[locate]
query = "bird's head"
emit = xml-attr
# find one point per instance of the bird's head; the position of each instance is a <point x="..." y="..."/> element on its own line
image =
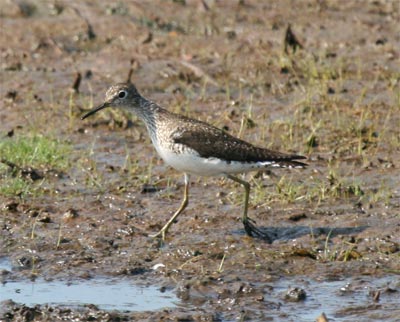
<point x="119" y="95"/>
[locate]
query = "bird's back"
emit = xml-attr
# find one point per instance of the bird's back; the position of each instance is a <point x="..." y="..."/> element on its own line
<point x="184" y="135"/>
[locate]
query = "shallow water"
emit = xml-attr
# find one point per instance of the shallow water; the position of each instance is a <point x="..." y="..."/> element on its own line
<point x="106" y="293"/>
<point x="339" y="299"/>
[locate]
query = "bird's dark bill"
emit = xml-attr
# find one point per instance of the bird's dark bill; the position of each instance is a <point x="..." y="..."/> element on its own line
<point x="94" y="110"/>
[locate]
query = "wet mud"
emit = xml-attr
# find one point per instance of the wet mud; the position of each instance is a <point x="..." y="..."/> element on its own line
<point x="330" y="91"/>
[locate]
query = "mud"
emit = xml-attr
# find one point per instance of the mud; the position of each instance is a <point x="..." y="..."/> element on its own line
<point x="334" y="226"/>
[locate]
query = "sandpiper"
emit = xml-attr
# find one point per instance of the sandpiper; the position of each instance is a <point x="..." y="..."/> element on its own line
<point x="196" y="147"/>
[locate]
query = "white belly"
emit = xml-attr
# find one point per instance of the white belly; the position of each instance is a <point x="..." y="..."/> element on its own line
<point x="192" y="163"/>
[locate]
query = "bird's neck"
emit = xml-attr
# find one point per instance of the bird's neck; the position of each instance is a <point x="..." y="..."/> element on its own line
<point x="149" y="112"/>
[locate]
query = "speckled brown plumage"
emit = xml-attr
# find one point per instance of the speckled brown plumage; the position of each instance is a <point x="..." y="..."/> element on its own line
<point x="211" y="142"/>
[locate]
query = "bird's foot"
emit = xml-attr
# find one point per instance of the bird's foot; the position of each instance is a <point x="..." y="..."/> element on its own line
<point x="253" y="231"/>
<point x="161" y="234"/>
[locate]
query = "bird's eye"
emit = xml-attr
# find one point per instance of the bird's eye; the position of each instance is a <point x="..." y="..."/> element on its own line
<point x="122" y="94"/>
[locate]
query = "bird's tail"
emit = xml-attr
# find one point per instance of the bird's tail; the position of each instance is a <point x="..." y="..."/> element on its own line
<point x="292" y="164"/>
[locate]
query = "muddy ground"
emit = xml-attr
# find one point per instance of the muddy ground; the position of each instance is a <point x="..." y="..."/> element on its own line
<point x="333" y="96"/>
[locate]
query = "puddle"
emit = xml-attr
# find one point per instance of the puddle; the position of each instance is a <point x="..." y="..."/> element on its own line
<point x="348" y="298"/>
<point x="106" y="293"/>
<point x="351" y="297"/>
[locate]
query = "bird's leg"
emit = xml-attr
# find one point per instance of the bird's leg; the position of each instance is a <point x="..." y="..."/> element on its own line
<point x="182" y="207"/>
<point x="248" y="223"/>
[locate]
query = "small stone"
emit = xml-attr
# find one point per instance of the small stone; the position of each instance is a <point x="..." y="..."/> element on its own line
<point x="44" y="217"/>
<point x="31" y="173"/>
<point x="10" y="206"/>
<point x="183" y="292"/>
<point x="70" y="214"/>
<point x="381" y="41"/>
<point x="297" y="216"/>
<point x="295" y="294"/>
<point x="24" y="262"/>
<point x="148" y="188"/>
<point x="4" y="272"/>
<point x="11" y="95"/>
<point x="322" y="318"/>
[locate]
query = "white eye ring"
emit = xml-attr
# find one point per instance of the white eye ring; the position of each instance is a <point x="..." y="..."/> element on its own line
<point x="122" y="94"/>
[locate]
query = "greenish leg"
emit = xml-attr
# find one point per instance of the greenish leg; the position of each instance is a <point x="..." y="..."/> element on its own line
<point x="249" y="227"/>
<point x="246" y="186"/>
<point x="182" y="207"/>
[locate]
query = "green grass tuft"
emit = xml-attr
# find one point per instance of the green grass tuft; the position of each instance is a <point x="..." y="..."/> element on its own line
<point x="23" y="154"/>
<point x="35" y="151"/>
<point x="14" y="186"/>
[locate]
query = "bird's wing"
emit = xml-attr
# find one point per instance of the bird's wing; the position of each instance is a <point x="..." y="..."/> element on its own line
<point x="211" y="142"/>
